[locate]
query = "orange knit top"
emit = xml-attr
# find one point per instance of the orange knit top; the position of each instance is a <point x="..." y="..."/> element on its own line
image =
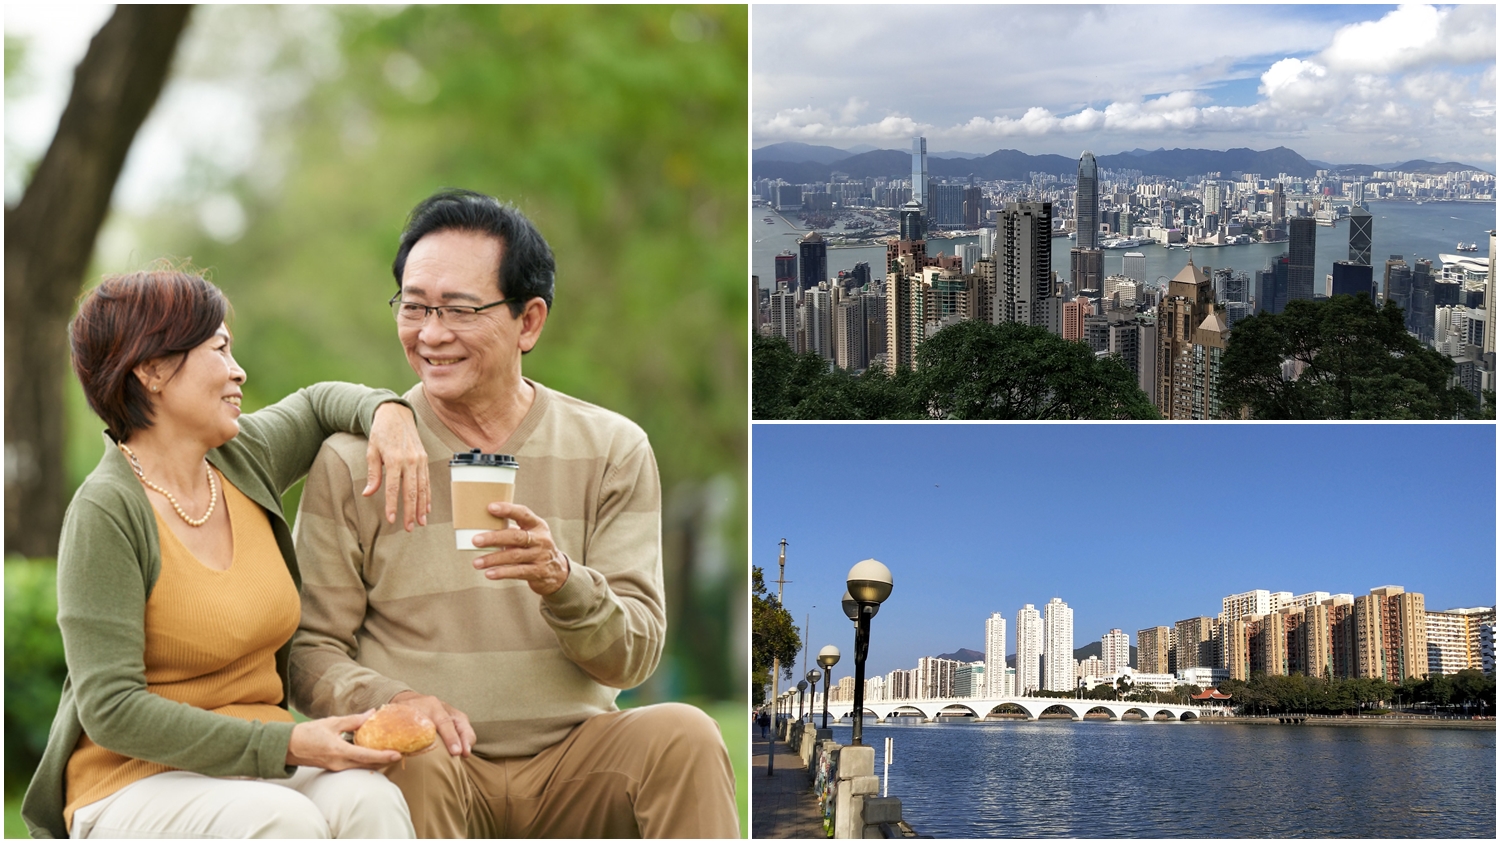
<point x="211" y="641"/>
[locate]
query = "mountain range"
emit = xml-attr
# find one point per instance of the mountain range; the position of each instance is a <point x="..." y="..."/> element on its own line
<point x="800" y="163"/>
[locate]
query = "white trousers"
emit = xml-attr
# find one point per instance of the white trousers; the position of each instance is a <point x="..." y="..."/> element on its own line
<point x="313" y="803"/>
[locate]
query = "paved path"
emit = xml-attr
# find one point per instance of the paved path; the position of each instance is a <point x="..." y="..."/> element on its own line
<point x="782" y="805"/>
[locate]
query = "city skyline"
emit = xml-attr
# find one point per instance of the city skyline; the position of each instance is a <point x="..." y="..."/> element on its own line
<point x="1102" y="517"/>
<point x="1344" y="84"/>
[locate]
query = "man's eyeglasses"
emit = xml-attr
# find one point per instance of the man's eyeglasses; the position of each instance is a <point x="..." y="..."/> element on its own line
<point x="452" y="315"/>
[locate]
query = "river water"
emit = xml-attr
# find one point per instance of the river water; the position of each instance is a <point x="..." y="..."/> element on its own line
<point x="1059" y="778"/>
<point x="1400" y="228"/>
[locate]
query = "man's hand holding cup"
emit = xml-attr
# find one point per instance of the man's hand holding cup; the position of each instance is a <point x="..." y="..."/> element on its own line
<point x="525" y="552"/>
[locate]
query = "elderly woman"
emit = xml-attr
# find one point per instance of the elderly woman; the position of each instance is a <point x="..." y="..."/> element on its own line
<point x="177" y="589"/>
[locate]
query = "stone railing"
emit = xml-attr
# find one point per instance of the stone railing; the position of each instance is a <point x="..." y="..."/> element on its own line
<point x="847" y="788"/>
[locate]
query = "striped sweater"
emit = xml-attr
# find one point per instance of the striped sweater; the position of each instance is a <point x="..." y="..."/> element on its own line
<point x="385" y="611"/>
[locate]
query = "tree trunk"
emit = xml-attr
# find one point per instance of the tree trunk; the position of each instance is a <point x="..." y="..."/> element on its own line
<point x="49" y="238"/>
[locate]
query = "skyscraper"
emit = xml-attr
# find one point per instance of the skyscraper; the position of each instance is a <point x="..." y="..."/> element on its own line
<point x="1028" y="650"/>
<point x="1278" y="205"/>
<point x="1087" y="267"/>
<point x="1057" y="645"/>
<point x="1190" y="342"/>
<point x="973" y="202"/>
<point x="1302" y="238"/>
<point x="1115" y="651"/>
<point x="1352" y="279"/>
<point x="912" y="227"/>
<point x="1397" y="286"/>
<point x="1153" y="648"/>
<point x="1025" y="280"/>
<point x="814" y="260"/>
<point x="1086" y="203"/>
<point x="1361" y="230"/>
<point x="919" y="171"/>
<point x="786" y="271"/>
<point x="994" y="655"/>
<point x="1133" y="265"/>
<point x="1420" y="318"/>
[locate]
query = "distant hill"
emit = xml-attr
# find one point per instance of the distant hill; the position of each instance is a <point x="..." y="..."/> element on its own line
<point x="800" y="152"/>
<point x="964" y="654"/>
<point x="1013" y="165"/>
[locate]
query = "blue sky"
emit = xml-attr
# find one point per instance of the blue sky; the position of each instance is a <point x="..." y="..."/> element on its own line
<point x="1131" y="525"/>
<point x="1339" y="83"/>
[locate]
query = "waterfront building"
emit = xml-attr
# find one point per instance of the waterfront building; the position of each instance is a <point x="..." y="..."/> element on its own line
<point x="1278" y="205"/>
<point x="1114" y="648"/>
<point x="813" y="251"/>
<point x="1133" y="265"/>
<point x="1489" y="315"/>
<point x="934" y="680"/>
<point x="1390" y="628"/>
<point x="1195" y="643"/>
<point x="1361" y="231"/>
<point x="1487" y="648"/>
<point x="969" y="680"/>
<point x="898" y="685"/>
<point x="1453" y="639"/>
<point x="1341" y="636"/>
<point x="1025" y="292"/>
<point x="1203" y="677"/>
<point x="1086" y="204"/>
<point x="1152" y="648"/>
<point x="1028" y="650"/>
<point x="994" y="654"/>
<point x="1057" y="646"/>
<point x="1302" y="238"/>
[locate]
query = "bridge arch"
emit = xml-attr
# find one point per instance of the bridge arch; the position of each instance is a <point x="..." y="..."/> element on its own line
<point x="957" y="708"/>
<point x="1103" y="709"/>
<point x="1010" y="707"/>
<point x="1137" y="710"/>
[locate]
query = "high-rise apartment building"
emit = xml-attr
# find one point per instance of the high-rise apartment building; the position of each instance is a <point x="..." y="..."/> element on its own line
<point x="1195" y="643"/>
<point x="1234" y="644"/>
<point x="919" y="171"/>
<point x="1302" y="237"/>
<point x="1028" y="650"/>
<point x="1310" y="648"/>
<point x="1057" y="646"/>
<point x="969" y="680"/>
<point x="851" y="333"/>
<point x="935" y="677"/>
<point x="1268" y="645"/>
<point x="994" y="654"/>
<point x="1390" y="626"/>
<point x="818" y="321"/>
<point x="904" y="319"/>
<point x="1152" y="648"/>
<point x="813" y="251"/>
<point x="1114" y="651"/>
<point x="898" y="685"/>
<point x="784" y="316"/>
<point x="1257" y="602"/>
<point x="1361" y="232"/>
<point x="1453" y="639"/>
<point x="1086" y="204"/>
<point x="1491" y="325"/>
<point x="1025" y="283"/>
<point x="1190" y="342"/>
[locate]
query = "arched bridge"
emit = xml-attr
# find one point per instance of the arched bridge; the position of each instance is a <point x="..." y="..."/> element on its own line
<point x="1031" y="707"/>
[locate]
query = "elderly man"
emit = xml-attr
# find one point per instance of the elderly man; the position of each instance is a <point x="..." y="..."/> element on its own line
<point x="517" y="653"/>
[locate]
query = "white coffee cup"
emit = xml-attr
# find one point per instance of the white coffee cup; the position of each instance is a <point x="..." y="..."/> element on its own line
<point x="478" y="480"/>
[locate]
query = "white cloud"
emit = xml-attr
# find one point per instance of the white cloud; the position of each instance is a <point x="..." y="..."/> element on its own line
<point x="1415" y="36"/>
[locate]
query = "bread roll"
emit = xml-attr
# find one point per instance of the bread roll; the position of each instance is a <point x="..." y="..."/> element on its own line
<point x="398" y="727"/>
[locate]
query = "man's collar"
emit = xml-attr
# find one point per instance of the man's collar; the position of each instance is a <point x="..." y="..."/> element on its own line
<point x="426" y="415"/>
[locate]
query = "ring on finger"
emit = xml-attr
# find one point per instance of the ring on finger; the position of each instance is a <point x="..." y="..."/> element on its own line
<point x="528" y="538"/>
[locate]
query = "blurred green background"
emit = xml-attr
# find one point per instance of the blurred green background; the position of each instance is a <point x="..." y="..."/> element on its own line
<point x="620" y="131"/>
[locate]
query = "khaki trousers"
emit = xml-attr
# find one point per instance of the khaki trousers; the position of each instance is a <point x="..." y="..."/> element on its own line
<point x="656" y="771"/>
<point x="312" y="803"/>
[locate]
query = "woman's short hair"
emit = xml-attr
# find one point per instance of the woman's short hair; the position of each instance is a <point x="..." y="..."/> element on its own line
<point x="132" y="319"/>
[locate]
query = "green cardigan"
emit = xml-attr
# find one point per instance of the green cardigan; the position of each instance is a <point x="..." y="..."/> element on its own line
<point x="107" y="563"/>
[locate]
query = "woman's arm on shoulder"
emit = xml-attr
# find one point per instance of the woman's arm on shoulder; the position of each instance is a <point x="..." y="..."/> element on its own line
<point x="101" y="598"/>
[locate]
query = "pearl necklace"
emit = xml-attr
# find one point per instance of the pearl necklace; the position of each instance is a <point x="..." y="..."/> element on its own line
<point x="213" y="489"/>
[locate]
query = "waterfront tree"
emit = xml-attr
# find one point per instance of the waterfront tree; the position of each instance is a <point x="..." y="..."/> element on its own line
<point x="773" y="636"/>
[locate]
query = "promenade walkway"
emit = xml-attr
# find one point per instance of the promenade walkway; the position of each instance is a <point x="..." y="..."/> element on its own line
<point x="782" y="806"/>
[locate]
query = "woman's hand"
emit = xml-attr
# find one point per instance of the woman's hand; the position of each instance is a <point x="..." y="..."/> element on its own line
<point x="320" y="743"/>
<point x="527" y="552"/>
<point x="396" y="452"/>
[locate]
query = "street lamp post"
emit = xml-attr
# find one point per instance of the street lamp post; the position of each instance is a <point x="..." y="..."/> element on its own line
<point x="812" y="693"/>
<point x="869" y="585"/>
<point x="801" y="689"/>
<point x="827" y="657"/>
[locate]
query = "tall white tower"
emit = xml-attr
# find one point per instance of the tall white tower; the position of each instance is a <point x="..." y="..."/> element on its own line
<point x="1057" y="644"/>
<point x="919" y="173"/>
<point x="1028" y="649"/>
<point x="994" y="656"/>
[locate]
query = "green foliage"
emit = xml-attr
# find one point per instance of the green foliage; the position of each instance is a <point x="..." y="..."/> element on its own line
<point x="34" y="666"/>
<point x="972" y="370"/>
<point x="1357" y="363"/>
<point x="1469" y="690"/>
<point x="773" y="635"/>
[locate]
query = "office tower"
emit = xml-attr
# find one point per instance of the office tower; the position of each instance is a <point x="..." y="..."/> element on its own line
<point x="860" y="275"/>
<point x="784" y="316"/>
<point x="1057" y="646"/>
<point x="1190" y="343"/>
<point x="1419" y="319"/>
<point x="1397" y="287"/>
<point x="1133" y="265"/>
<point x="1361" y="231"/>
<point x="1278" y="205"/>
<point x="1195" y="644"/>
<point x="1115" y="651"/>
<point x="1087" y="268"/>
<point x="1270" y="286"/>
<point x="786" y="271"/>
<point x="1086" y="203"/>
<point x="919" y="172"/>
<point x="973" y="208"/>
<point x="994" y="654"/>
<point x="1353" y="279"/>
<point x="1390" y="628"/>
<point x="817" y="322"/>
<point x="1302" y="238"/>
<point x="1025" y="281"/>
<point x="1028" y="650"/>
<point x="813" y="250"/>
<point x="912" y="225"/>
<point x="945" y="204"/>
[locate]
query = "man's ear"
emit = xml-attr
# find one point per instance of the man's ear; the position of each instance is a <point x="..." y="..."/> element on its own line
<point x="533" y="319"/>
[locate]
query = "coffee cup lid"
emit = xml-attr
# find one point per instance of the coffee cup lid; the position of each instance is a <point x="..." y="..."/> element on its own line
<point x="478" y="457"/>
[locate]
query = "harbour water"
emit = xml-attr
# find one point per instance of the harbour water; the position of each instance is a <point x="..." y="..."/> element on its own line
<point x="1400" y="228"/>
<point x="1059" y="778"/>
